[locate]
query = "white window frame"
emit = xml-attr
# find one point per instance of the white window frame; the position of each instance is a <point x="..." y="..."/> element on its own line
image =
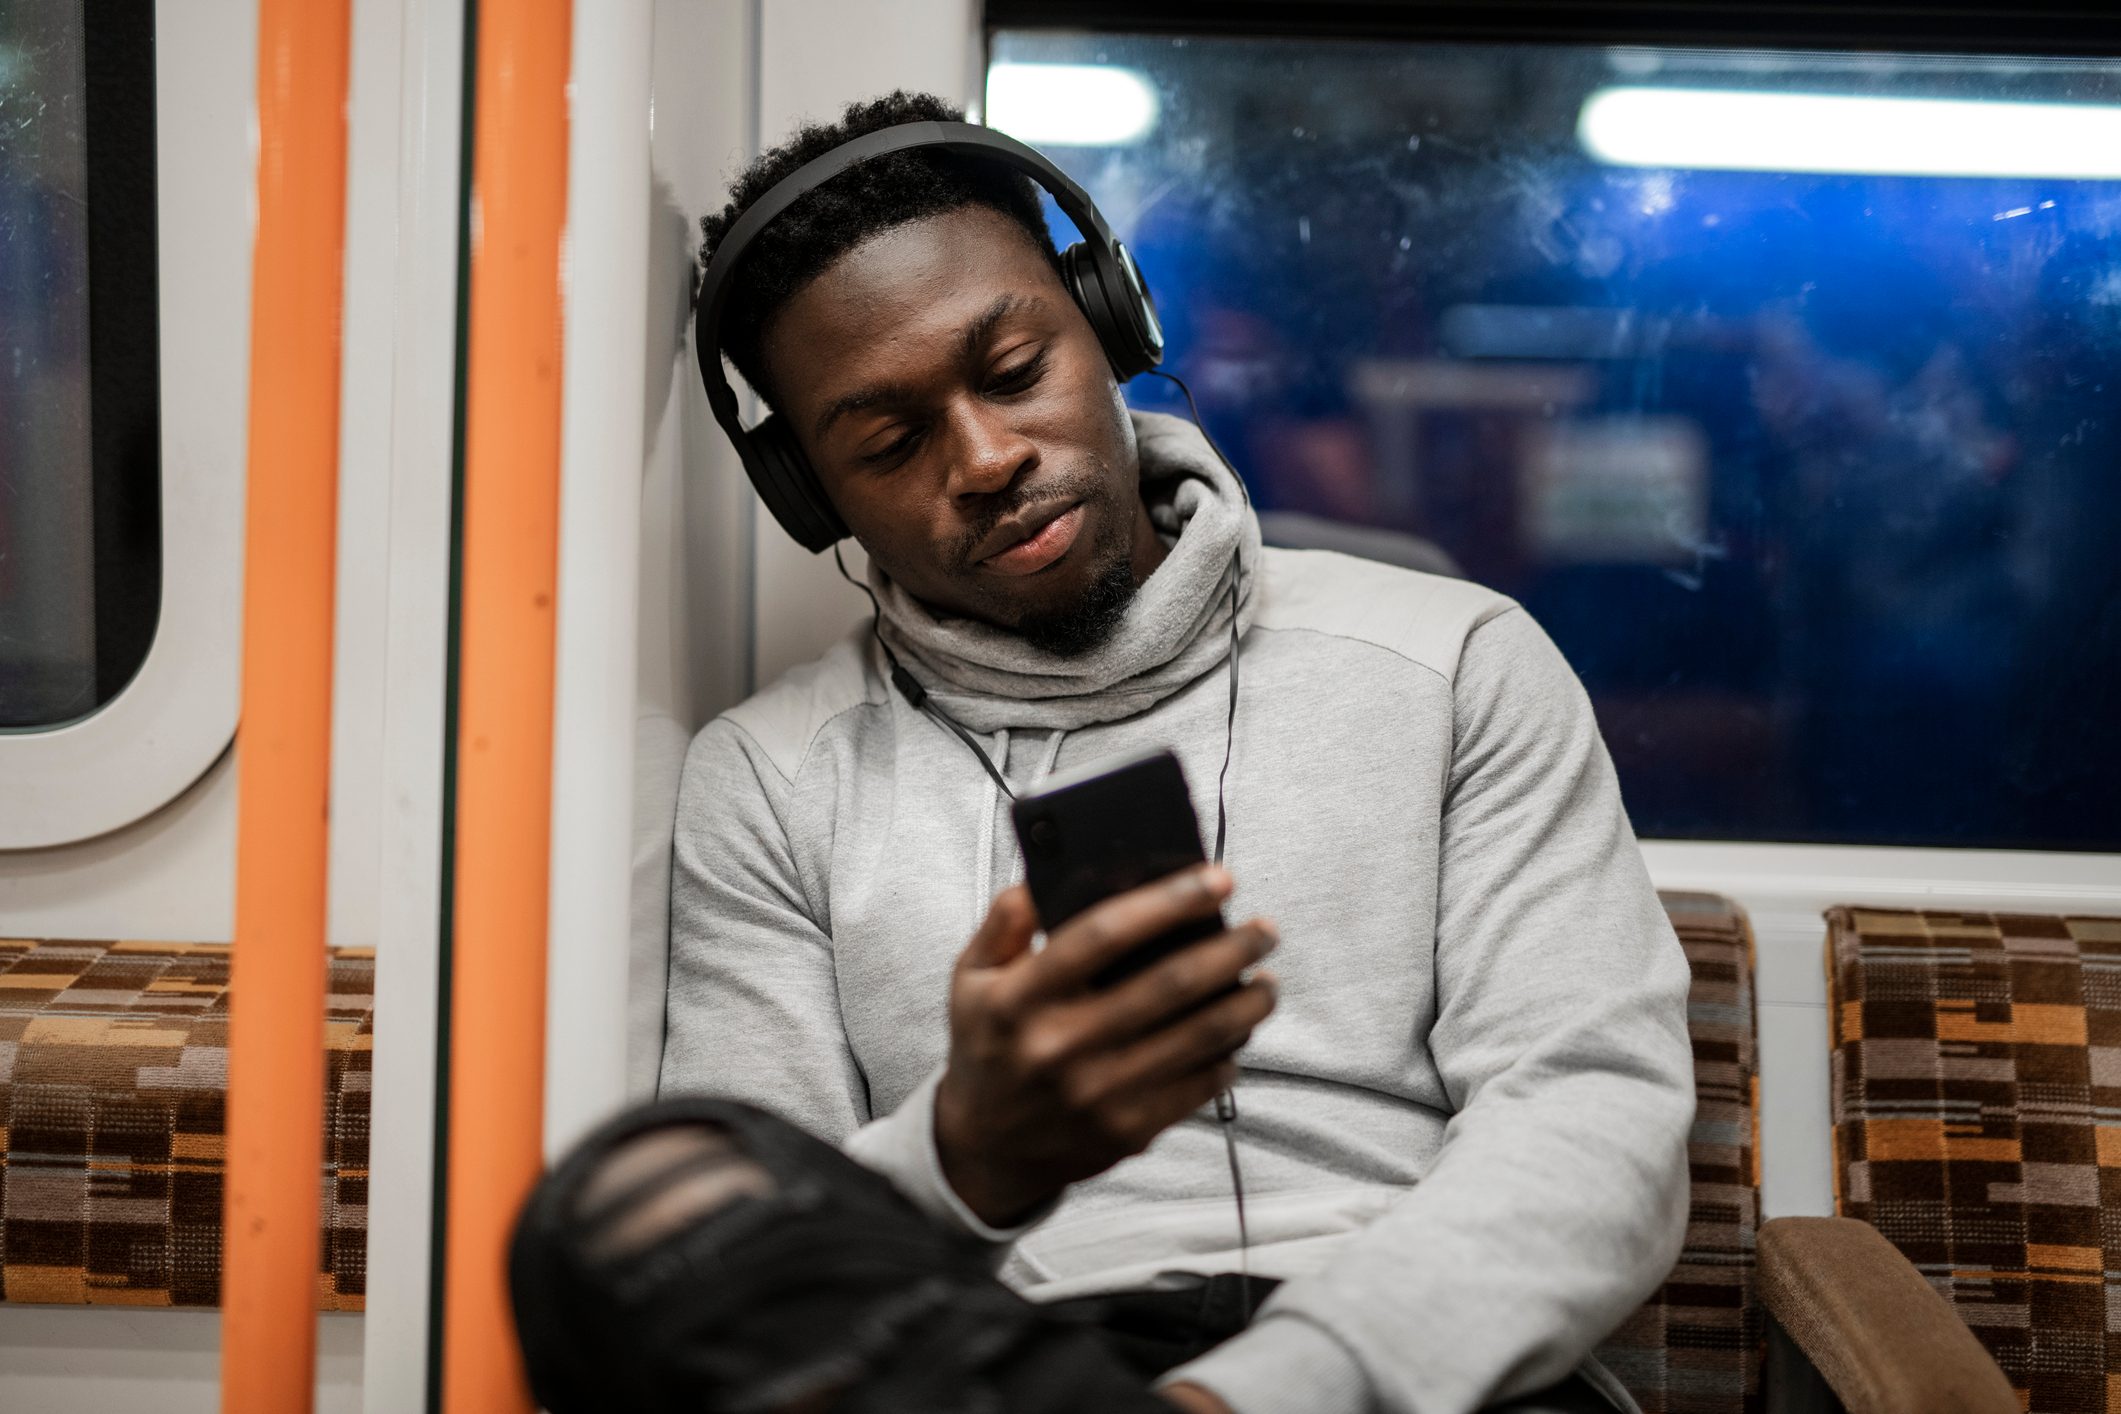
<point x="144" y="747"/>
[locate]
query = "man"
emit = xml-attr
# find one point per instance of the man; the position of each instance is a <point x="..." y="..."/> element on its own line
<point x="1466" y="1086"/>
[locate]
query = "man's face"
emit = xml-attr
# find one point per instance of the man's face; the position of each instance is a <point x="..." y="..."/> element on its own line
<point x="965" y="424"/>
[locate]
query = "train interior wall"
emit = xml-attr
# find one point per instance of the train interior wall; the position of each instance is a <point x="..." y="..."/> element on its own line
<point x="725" y="603"/>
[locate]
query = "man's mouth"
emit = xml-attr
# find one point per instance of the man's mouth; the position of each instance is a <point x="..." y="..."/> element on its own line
<point x="1035" y="542"/>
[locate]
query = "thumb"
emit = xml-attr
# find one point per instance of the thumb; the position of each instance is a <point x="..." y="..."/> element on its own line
<point x="1005" y="934"/>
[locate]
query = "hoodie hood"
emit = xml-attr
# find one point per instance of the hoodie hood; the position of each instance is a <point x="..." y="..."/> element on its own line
<point x="1176" y="627"/>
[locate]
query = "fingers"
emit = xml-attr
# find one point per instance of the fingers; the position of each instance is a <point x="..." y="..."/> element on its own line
<point x="1172" y="987"/>
<point x="1057" y="1032"/>
<point x="1077" y="950"/>
<point x="1004" y="934"/>
<point x="1177" y="984"/>
<point x="1201" y="1040"/>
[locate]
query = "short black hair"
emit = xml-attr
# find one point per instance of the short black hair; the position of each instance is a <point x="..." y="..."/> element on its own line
<point x="855" y="205"/>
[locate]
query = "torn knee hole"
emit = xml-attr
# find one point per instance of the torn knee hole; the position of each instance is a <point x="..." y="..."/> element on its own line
<point x="653" y="1185"/>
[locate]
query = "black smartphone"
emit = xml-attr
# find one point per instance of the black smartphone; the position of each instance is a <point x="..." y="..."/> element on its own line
<point x="1115" y="827"/>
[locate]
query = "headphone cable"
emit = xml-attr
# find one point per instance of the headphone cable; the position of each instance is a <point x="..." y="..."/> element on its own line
<point x="909" y="685"/>
<point x="1226" y="1102"/>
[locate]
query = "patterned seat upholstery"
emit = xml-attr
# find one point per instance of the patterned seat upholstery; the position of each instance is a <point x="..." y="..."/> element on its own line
<point x="1696" y="1346"/>
<point x="1977" y="1124"/>
<point x="113" y="1062"/>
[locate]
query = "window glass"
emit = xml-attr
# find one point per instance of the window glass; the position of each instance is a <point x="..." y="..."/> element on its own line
<point x="79" y="569"/>
<point x="1779" y="387"/>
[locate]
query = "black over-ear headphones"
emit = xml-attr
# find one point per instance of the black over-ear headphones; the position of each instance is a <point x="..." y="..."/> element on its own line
<point x="1097" y="270"/>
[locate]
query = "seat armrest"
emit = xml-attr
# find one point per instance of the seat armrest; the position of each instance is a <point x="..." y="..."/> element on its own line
<point x="1882" y="1338"/>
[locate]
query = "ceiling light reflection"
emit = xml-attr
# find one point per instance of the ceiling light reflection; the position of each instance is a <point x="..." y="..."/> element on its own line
<point x="1070" y="105"/>
<point x="1732" y="130"/>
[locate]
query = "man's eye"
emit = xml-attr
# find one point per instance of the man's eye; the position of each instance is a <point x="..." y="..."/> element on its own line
<point x="1022" y="376"/>
<point x="899" y="447"/>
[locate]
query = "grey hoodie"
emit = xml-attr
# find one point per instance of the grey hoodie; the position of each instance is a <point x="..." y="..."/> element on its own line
<point x="1464" y="1128"/>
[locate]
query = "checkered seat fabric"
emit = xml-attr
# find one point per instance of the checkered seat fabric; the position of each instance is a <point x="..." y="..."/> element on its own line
<point x="1977" y="1125"/>
<point x="113" y="1065"/>
<point x="1695" y="1347"/>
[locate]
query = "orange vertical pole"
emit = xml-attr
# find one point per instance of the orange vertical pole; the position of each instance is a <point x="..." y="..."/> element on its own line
<point x="276" y="1010"/>
<point x="505" y="685"/>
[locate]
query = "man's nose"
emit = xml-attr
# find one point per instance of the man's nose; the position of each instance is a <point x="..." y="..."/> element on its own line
<point x="988" y="453"/>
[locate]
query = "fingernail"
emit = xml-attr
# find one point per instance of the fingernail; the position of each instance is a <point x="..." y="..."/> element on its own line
<point x="1217" y="880"/>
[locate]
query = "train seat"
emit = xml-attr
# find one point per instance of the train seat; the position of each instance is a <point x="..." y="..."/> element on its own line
<point x="1795" y="1314"/>
<point x="1977" y="1125"/>
<point x="113" y="1069"/>
<point x="1697" y="1343"/>
<point x="113" y="1072"/>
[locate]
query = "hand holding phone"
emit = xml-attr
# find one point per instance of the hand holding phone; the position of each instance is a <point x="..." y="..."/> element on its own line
<point x="1066" y="1060"/>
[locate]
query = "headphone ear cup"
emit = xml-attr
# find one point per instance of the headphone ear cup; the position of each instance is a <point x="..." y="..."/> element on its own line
<point x="1118" y="327"/>
<point x="788" y="485"/>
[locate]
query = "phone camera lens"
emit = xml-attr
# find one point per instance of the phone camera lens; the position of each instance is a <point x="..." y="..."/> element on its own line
<point x="1043" y="835"/>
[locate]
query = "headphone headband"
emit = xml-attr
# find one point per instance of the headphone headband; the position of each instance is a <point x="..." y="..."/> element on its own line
<point x="1099" y="272"/>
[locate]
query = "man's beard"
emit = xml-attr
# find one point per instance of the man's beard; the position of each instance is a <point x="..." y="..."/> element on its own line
<point x="1079" y="627"/>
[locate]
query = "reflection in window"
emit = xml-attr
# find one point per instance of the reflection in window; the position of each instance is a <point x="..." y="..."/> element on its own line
<point x="79" y="563"/>
<point x="1808" y="460"/>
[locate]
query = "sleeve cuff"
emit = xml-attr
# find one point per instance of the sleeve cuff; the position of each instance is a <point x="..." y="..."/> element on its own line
<point x="1282" y="1364"/>
<point x="901" y="1147"/>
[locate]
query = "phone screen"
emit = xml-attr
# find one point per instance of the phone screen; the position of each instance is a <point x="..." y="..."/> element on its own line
<point x="1122" y="825"/>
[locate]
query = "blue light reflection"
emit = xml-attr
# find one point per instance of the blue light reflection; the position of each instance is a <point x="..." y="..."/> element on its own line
<point x="1815" y="478"/>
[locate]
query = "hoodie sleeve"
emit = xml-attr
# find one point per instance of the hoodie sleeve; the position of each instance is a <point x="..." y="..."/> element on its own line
<point x="1558" y="1201"/>
<point x="752" y="1006"/>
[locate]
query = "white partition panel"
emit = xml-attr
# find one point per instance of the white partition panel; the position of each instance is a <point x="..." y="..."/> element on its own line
<point x="408" y="64"/>
<point x="694" y="626"/>
<point x="133" y="1360"/>
<point x="604" y="395"/>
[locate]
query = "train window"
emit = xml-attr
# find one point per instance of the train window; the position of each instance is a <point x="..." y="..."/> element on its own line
<point x="80" y="549"/>
<point x="1779" y="386"/>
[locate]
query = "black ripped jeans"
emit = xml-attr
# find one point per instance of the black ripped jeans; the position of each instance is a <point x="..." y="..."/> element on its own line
<point x="700" y="1255"/>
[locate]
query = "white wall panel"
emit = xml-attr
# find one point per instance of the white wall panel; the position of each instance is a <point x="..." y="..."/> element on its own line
<point x="1796" y="1142"/>
<point x="696" y="509"/>
<point x="408" y="64"/>
<point x="170" y="878"/>
<point x="609" y="206"/>
<point x="129" y="1360"/>
<point x="368" y="323"/>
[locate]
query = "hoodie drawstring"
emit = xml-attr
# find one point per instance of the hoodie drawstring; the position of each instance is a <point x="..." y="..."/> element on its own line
<point x="1038" y="778"/>
<point x="995" y="834"/>
<point x="990" y="802"/>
